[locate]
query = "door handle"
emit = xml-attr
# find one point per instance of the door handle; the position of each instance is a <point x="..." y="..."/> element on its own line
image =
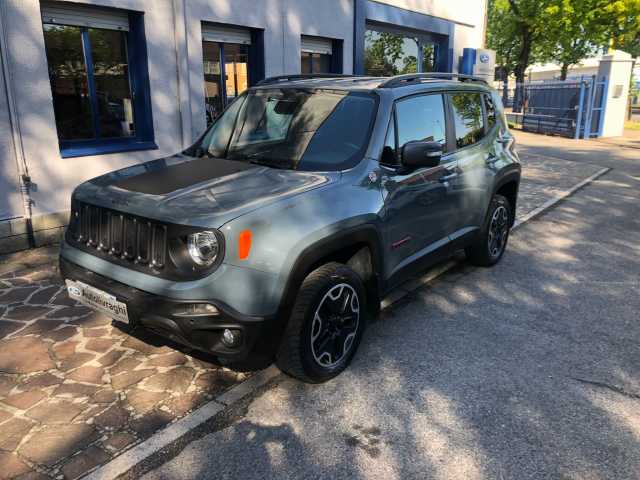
<point x="451" y="173"/>
<point x="447" y="178"/>
<point x="491" y="159"/>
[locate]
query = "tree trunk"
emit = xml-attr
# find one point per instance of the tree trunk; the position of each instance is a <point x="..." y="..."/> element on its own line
<point x="564" y="71"/>
<point x="521" y="68"/>
<point x="518" y="97"/>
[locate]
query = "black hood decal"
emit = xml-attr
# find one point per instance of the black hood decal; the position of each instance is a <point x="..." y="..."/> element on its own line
<point x="161" y="178"/>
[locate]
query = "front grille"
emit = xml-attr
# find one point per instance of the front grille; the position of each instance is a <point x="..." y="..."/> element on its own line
<point x="118" y="236"/>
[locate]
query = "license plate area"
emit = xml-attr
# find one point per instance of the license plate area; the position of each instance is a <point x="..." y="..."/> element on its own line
<point x="98" y="300"/>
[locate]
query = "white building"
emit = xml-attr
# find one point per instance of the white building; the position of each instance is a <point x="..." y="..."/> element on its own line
<point x="89" y="86"/>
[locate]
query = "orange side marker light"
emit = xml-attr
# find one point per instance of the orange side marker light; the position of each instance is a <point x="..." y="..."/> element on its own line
<point x="244" y="244"/>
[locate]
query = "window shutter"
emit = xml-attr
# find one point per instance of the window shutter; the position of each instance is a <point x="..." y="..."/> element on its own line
<point x="84" y="16"/>
<point x="214" y="33"/>
<point x="316" y="45"/>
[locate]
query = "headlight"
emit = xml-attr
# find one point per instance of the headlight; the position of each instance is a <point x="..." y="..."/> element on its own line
<point x="203" y="248"/>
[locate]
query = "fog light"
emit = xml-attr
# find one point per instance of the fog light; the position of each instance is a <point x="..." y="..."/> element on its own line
<point x="196" y="310"/>
<point x="231" y="338"/>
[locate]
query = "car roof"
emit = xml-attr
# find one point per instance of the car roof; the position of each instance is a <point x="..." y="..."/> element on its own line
<point x="401" y="84"/>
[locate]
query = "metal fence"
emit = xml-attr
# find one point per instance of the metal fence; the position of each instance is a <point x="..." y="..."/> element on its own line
<point x="572" y="108"/>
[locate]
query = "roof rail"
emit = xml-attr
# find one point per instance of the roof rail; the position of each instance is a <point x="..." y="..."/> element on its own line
<point x="304" y="76"/>
<point x="401" y="80"/>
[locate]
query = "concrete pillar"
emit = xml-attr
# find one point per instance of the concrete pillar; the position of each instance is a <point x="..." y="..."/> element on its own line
<point x="616" y="68"/>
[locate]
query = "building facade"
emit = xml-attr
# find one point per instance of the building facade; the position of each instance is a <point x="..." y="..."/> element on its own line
<point x="90" y="86"/>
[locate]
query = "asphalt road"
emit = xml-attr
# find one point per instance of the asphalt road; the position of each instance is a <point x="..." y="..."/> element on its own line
<point x="527" y="370"/>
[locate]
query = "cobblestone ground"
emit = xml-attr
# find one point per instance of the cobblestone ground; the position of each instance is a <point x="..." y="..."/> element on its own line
<point x="76" y="390"/>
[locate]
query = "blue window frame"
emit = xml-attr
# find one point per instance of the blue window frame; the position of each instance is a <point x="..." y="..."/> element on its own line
<point x="100" y="87"/>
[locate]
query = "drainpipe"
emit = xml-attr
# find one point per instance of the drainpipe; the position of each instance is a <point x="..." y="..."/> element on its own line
<point x="18" y="147"/>
<point x="181" y="34"/>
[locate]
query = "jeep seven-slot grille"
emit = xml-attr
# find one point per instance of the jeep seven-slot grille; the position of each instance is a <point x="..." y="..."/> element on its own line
<point x="118" y="236"/>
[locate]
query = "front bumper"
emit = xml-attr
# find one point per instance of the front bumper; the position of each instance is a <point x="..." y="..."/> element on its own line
<point x="155" y="312"/>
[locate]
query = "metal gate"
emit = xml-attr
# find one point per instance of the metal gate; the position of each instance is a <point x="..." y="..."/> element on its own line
<point x="571" y="108"/>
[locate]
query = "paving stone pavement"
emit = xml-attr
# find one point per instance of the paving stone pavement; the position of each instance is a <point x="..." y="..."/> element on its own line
<point x="77" y="390"/>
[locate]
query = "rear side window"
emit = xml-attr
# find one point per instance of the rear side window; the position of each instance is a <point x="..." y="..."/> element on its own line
<point x="468" y="118"/>
<point x="490" y="108"/>
<point x="421" y="118"/>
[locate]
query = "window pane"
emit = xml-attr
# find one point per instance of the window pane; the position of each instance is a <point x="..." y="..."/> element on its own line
<point x="428" y="57"/>
<point x="321" y="63"/>
<point x="217" y="138"/>
<point x="339" y="139"/>
<point x="68" y="76"/>
<point x="389" y="54"/>
<point x="212" y="83"/>
<point x="421" y="118"/>
<point x="467" y="113"/>
<point x="236" y="60"/>
<point x="305" y="63"/>
<point x="491" y="110"/>
<point x="111" y="73"/>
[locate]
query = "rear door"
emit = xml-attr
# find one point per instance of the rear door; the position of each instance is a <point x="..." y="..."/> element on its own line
<point x="474" y="153"/>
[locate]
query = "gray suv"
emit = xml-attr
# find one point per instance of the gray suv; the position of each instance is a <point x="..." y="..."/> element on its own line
<point x="310" y="197"/>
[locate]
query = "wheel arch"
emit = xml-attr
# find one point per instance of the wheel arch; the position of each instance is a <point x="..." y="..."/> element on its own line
<point x="508" y="187"/>
<point x="360" y="248"/>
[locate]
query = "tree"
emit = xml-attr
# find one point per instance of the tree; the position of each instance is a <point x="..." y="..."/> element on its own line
<point x="622" y="18"/>
<point x="579" y="28"/>
<point x="575" y="31"/>
<point x="518" y="32"/>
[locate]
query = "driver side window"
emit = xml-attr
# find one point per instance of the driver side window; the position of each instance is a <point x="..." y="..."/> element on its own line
<point x="421" y="118"/>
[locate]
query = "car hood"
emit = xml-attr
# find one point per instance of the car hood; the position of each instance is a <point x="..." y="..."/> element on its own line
<point x="205" y="192"/>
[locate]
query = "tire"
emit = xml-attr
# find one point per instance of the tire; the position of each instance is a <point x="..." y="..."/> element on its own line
<point x="491" y="242"/>
<point x="315" y="349"/>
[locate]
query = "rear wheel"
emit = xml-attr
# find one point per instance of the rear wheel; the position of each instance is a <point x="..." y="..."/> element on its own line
<point x="326" y="324"/>
<point x="491" y="242"/>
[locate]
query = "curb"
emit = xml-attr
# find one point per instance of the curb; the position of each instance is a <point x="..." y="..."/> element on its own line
<point x="567" y="193"/>
<point x="130" y="458"/>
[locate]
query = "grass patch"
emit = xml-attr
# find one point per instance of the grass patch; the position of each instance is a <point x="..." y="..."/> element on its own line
<point x="632" y="125"/>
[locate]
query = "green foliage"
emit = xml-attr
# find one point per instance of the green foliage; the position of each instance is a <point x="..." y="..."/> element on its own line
<point x="622" y="18"/>
<point x="524" y="32"/>
<point x="517" y="30"/>
<point x="576" y="31"/>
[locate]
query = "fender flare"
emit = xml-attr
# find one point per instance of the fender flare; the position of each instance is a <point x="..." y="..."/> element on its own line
<point x="310" y="256"/>
<point x="508" y="176"/>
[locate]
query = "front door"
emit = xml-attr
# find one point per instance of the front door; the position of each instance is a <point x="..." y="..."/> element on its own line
<point x="417" y="215"/>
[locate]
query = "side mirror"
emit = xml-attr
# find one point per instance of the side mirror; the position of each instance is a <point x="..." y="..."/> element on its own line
<point x="421" y="154"/>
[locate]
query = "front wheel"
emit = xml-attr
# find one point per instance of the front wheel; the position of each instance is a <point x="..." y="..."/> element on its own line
<point x="488" y="248"/>
<point x="326" y="324"/>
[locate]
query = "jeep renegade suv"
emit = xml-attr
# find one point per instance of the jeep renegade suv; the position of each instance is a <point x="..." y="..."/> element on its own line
<point x="308" y="200"/>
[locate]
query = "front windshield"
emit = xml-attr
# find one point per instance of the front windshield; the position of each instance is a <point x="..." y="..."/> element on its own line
<point x="291" y="128"/>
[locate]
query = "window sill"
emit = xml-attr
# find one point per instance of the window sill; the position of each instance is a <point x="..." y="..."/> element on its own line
<point x="80" y="149"/>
